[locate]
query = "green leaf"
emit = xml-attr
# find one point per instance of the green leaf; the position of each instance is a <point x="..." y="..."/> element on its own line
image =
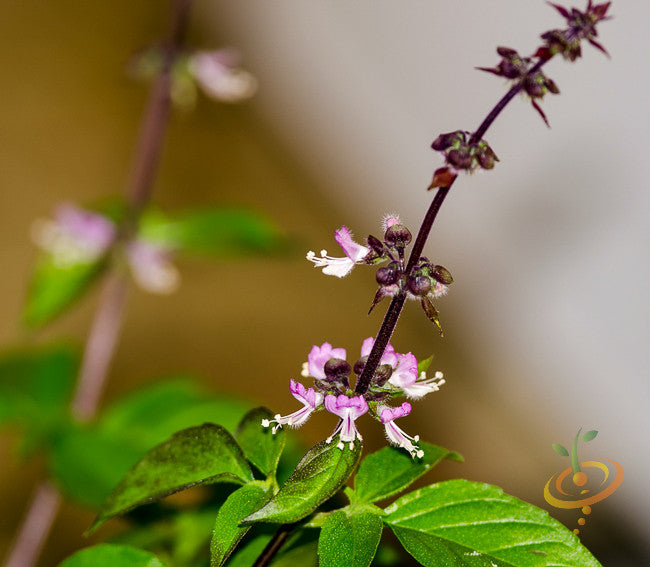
<point x="424" y="364"/>
<point x="349" y="538"/>
<point x="320" y="473"/>
<point x="109" y="555"/>
<point x="390" y="470"/>
<point x="193" y="456"/>
<point x="458" y="523"/>
<point x="261" y="446"/>
<point x="54" y="288"/>
<point x="35" y="385"/>
<point x="227" y="532"/>
<point x="151" y="415"/>
<point x="223" y="232"/>
<point x="560" y="450"/>
<point x="589" y="436"/>
<point x="88" y="463"/>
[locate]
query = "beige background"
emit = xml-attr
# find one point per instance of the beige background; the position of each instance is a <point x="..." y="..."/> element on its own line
<point x="546" y="327"/>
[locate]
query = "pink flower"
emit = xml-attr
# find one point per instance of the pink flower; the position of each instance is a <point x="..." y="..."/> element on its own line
<point x="309" y="398"/>
<point x="218" y="74"/>
<point x="75" y="236"/>
<point x="340" y="267"/>
<point x="318" y="357"/>
<point x="348" y="409"/>
<point x="152" y="268"/>
<point x="395" y="434"/>
<point x="389" y="356"/>
<point x="423" y="385"/>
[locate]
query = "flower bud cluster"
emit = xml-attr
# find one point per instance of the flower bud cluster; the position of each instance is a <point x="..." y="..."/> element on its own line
<point x="461" y="153"/>
<point x="581" y="25"/>
<point x="397" y="375"/>
<point x="519" y="70"/>
<point x="424" y="282"/>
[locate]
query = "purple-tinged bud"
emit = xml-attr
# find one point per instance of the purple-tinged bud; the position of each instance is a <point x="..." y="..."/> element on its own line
<point x="442" y="275"/>
<point x="337" y="368"/>
<point x="419" y="285"/>
<point x="533" y="86"/>
<point x="460" y="159"/>
<point x="388" y="275"/>
<point x="376" y="245"/>
<point x="382" y="374"/>
<point x="551" y="86"/>
<point x="398" y="235"/>
<point x="359" y="365"/>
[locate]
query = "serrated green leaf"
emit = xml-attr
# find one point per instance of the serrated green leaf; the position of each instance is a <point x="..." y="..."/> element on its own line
<point x="35" y="385"/>
<point x="560" y="450"/>
<point x="222" y="232"/>
<point x="110" y="555"/>
<point x="459" y="523"/>
<point x="227" y="532"/>
<point x="390" y="470"/>
<point x="54" y="288"/>
<point x="194" y="456"/>
<point x="320" y="473"/>
<point x="261" y="446"/>
<point x="349" y="538"/>
<point x="589" y="436"/>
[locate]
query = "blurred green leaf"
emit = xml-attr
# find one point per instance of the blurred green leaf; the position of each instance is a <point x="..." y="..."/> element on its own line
<point x="261" y="446"/>
<point x="423" y="365"/>
<point x="349" y="537"/>
<point x="54" y="288"/>
<point x="459" y="523"/>
<point x="88" y="463"/>
<point x="321" y="473"/>
<point x="222" y="232"/>
<point x="390" y="470"/>
<point x="194" y="456"/>
<point x="227" y="532"/>
<point x="35" y="385"/>
<point x="110" y="555"/>
<point x="560" y="450"/>
<point x="149" y="416"/>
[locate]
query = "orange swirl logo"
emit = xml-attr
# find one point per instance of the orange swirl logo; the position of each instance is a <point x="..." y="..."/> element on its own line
<point x="591" y="481"/>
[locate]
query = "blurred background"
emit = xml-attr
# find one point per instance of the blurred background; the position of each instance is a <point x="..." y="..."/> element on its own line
<point x="547" y="324"/>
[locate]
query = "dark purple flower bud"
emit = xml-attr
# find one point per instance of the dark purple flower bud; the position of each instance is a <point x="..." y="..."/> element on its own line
<point x="442" y="275"/>
<point x="460" y="158"/>
<point x="398" y="235"/>
<point x="375" y="245"/>
<point x="359" y="365"/>
<point x="337" y="368"/>
<point x="419" y="285"/>
<point x="382" y="374"/>
<point x="388" y="275"/>
<point x="448" y="140"/>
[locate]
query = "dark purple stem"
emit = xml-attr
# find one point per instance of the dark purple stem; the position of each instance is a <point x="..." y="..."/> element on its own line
<point x="274" y="545"/>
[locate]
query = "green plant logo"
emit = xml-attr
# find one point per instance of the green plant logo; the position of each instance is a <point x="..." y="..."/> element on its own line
<point x="583" y="483"/>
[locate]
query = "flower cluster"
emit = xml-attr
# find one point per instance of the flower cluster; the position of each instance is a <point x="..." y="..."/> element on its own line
<point x="397" y="375"/>
<point x="519" y="70"/>
<point x="424" y="281"/>
<point x="216" y="72"/>
<point x="77" y="236"/>
<point x="581" y="25"/>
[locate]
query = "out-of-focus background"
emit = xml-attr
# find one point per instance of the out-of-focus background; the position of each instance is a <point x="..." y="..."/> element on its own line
<point x="547" y="325"/>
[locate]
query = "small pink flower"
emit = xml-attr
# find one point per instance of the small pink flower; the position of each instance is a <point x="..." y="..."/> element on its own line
<point x="309" y="398"/>
<point x="389" y="356"/>
<point x="348" y="409"/>
<point x="340" y="267"/>
<point x="152" y="268"/>
<point x="75" y="236"/>
<point x="405" y="372"/>
<point x="395" y="434"/>
<point x="218" y="74"/>
<point x="318" y="357"/>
